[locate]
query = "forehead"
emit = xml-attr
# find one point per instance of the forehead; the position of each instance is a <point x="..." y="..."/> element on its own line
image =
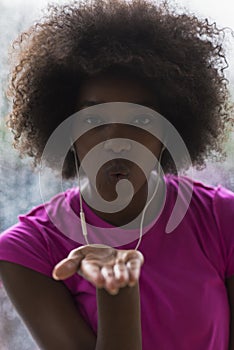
<point x="112" y="88"/>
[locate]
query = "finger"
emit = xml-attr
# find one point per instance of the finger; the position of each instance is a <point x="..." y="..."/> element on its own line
<point x="133" y="254"/>
<point x="67" y="267"/>
<point x="134" y="269"/>
<point x="109" y="278"/>
<point x="92" y="273"/>
<point x="121" y="273"/>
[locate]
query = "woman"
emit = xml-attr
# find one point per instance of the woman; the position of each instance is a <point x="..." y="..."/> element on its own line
<point x="175" y="291"/>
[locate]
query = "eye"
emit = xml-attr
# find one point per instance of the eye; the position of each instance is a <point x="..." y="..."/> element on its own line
<point x="93" y="120"/>
<point x="142" y="120"/>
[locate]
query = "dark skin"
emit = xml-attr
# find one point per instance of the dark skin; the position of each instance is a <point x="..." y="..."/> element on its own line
<point x="111" y="271"/>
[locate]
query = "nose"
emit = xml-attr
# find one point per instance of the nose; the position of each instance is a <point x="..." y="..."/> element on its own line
<point x="117" y="145"/>
<point x="116" y="139"/>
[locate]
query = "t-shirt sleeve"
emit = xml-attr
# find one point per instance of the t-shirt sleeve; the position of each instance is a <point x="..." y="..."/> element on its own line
<point x="25" y="245"/>
<point x="224" y="213"/>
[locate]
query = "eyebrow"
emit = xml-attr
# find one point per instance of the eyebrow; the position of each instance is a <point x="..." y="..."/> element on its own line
<point x="93" y="103"/>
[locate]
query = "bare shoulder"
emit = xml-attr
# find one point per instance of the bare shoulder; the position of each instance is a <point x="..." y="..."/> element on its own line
<point x="47" y="308"/>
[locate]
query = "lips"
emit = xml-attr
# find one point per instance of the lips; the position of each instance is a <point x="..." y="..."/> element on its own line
<point x="117" y="171"/>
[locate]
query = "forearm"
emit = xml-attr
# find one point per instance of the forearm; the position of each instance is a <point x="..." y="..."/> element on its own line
<point x="119" y="322"/>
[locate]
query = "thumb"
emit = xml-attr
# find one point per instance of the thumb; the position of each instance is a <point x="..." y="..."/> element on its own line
<point x="67" y="267"/>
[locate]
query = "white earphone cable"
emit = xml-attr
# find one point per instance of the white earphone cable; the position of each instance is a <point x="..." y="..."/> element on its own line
<point x="147" y="205"/>
<point x="82" y="214"/>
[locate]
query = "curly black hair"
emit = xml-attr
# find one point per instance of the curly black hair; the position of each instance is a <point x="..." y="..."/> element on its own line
<point x="183" y="58"/>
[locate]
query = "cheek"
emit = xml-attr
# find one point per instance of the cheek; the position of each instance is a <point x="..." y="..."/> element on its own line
<point x="86" y="143"/>
<point x="146" y="139"/>
<point x="152" y="144"/>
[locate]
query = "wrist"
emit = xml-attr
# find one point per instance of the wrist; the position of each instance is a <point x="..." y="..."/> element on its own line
<point x="119" y="322"/>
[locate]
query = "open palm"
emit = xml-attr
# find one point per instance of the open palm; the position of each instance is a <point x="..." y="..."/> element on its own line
<point x="103" y="266"/>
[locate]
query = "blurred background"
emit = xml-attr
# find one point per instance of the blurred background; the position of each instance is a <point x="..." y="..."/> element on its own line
<point x="19" y="186"/>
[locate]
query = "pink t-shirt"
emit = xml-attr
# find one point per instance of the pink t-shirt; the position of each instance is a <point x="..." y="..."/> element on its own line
<point x="184" y="302"/>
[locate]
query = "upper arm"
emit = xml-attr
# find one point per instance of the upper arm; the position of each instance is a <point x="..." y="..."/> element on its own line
<point x="47" y="309"/>
<point x="230" y="291"/>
